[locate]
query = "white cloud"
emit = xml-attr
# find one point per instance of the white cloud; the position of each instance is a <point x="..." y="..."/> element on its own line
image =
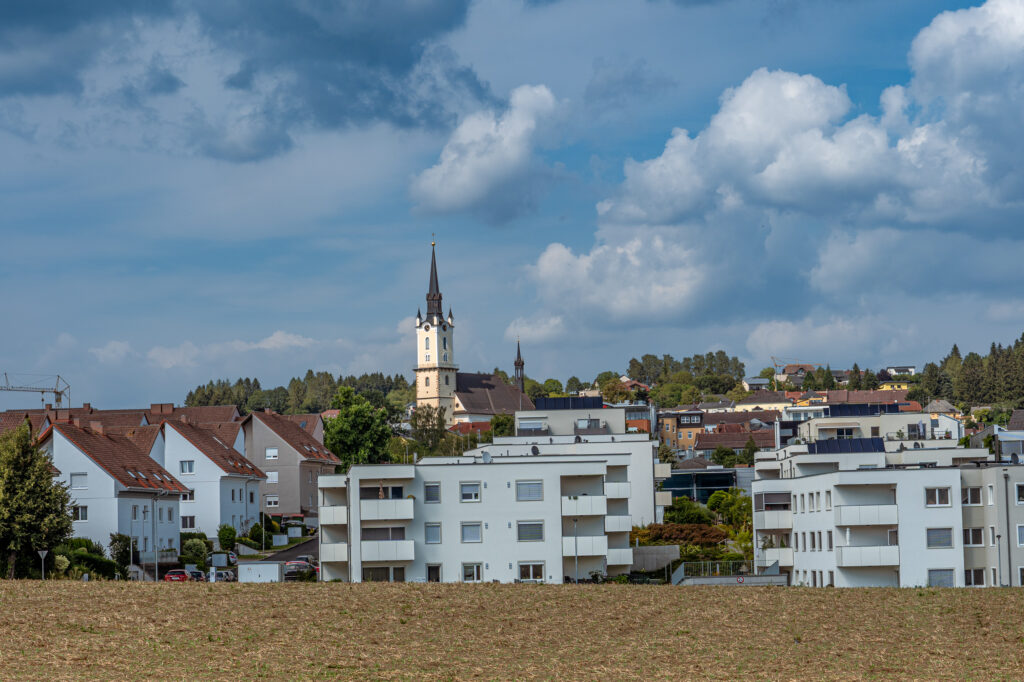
<point x="279" y="340"/>
<point x="57" y="351"/>
<point x="536" y="329"/>
<point x="487" y="164"/>
<point x="113" y="352"/>
<point x="187" y="354"/>
<point x="183" y="355"/>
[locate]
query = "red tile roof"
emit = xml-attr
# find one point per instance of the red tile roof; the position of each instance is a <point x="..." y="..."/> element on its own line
<point x="291" y="433"/>
<point x="305" y="421"/>
<point x="866" y="397"/>
<point x="765" y="416"/>
<point x="761" y="397"/>
<point x="200" y="415"/>
<point x="737" y="441"/>
<point x="220" y="453"/>
<point x="11" y="420"/>
<point x="227" y="432"/>
<point x="470" y="427"/>
<point x="120" y="457"/>
<point x="143" y="436"/>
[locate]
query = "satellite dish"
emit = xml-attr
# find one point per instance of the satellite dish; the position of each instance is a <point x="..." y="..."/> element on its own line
<point x="577" y="440"/>
<point x="535" y="450"/>
<point x="1015" y="458"/>
<point x="486" y="457"/>
<point x="917" y="446"/>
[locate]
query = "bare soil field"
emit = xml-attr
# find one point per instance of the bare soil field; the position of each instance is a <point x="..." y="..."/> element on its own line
<point x="68" y="630"/>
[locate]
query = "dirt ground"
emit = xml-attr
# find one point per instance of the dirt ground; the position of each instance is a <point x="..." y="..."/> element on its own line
<point x="64" y="629"/>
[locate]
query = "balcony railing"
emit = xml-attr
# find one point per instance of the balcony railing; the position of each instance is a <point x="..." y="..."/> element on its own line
<point x="663" y="498"/>
<point x="333" y="515"/>
<point x="866" y="515"/>
<point x="782" y="555"/>
<point x="878" y="555"/>
<point x="333" y="481"/>
<point x="585" y="545"/>
<point x="584" y="505"/>
<point x="620" y="557"/>
<point x="618" y="524"/>
<point x="163" y="556"/>
<point x="387" y="550"/>
<point x="662" y="470"/>
<point x="386" y="510"/>
<point x="773" y="520"/>
<point x="334" y="551"/>
<point x="618" y="490"/>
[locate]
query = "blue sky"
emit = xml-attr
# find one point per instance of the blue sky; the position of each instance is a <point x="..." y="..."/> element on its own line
<point x="195" y="190"/>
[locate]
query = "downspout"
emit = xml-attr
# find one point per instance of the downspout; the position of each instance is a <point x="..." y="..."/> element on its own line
<point x="1009" y="543"/>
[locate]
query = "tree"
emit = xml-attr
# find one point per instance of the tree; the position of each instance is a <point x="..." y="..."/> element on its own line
<point x="503" y="425"/>
<point x="428" y="425"/>
<point x="724" y="456"/>
<point x="226" y="537"/>
<point x="665" y="454"/>
<point x="573" y="385"/>
<point x="360" y="432"/>
<point x="194" y="552"/>
<point x="749" y="452"/>
<point x="869" y="382"/>
<point x="854" y="380"/>
<point x="767" y="373"/>
<point x="121" y="550"/>
<point x="553" y="387"/>
<point x="685" y="510"/>
<point x="968" y="382"/>
<point x="605" y="376"/>
<point x="738" y="393"/>
<point x="826" y="381"/>
<point x="614" y="391"/>
<point x="534" y="389"/>
<point x="810" y="382"/>
<point x="34" y="508"/>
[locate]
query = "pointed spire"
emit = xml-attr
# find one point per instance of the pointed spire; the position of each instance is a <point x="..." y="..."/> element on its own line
<point x="451" y="318"/>
<point x="520" y="377"/>
<point x="519" y="355"/>
<point x="434" y="292"/>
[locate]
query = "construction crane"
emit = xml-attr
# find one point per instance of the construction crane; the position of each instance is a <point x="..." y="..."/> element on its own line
<point x="38" y="383"/>
<point x="778" y="363"/>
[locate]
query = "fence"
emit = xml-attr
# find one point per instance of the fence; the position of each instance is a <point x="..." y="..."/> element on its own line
<point x="706" y="569"/>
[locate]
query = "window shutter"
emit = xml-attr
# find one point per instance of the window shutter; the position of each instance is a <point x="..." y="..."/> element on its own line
<point x="531" y="532"/>
<point x="432" y="492"/>
<point x="529" y="491"/>
<point x="940" y="537"/>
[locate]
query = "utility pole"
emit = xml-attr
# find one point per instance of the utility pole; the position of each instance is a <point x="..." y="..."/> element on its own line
<point x="576" y="553"/>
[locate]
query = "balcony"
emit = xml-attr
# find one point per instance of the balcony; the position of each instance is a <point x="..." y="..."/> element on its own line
<point x="783" y="555"/>
<point x="584" y="505"/>
<point x="333" y="515"/>
<point x="663" y="498"/>
<point x="334" y="551"/>
<point x="773" y="520"/>
<point x="333" y="481"/>
<point x="856" y="557"/>
<point x="866" y="515"/>
<point x="618" y="524"/>
<point x="386" y="510"/>
<point x="618" y="490"/>
<point x="662" y="470"/>
<point x="387" y="550"/>
<point x="585" y="545"/>
<point x="620" y="557"/>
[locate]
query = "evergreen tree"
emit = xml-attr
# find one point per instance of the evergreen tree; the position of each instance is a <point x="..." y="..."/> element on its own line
<point x="34" y="508"/>
<point x="854" y="382"/>
<point x="826" y="382"/>
<point x="869" y="382"/>
<point x="968" y="384"/>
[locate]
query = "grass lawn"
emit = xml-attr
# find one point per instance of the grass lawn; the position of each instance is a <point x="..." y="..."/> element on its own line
<point x="62" y="629"/>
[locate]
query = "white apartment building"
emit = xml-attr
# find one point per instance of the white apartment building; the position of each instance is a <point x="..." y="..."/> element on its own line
<point x="852" y="514"/>
<point x="474" y="519"/>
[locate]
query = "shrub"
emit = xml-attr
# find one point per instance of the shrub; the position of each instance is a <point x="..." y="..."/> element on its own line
<point x="256" y="533"/>
<point x="679" y="534"/>
<point x="247" y="542"/>
<point x="185" y="537"/>
<point x="226" y="537"/>
<point x="194" y="547"/>
<point x="72" y="544"/>
<point x="94" y="564"/>
<point x="61" y="563"/>
<point x="121" y="552"/>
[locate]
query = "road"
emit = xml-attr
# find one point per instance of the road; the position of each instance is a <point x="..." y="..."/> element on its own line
<point x="310" y="546"/>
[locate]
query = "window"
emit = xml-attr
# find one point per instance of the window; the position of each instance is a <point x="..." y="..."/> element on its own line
<point x="992" y="497"/>
<point x="135" y="512"/>
<point x="471" y="573"/>
<point x="820" y="545"/>
<point x="431" y="493"/>
<point x="531" y="572"/>
<point x="252" y="497"/>
<point x="829" y="534"/>
<point x="271" y="501"/>
<point x="936" y="497"/>
<point x="382" y="534"/>
<point x="426" y="358"/>
<point x="376" y="574"/>
<point x="170" y="515"/>
<point x="812" y="541"/>
<point x="432" y="534"/>
<point x="939" y="538"/>
<point x="529" y="491"/>
<point x="803" y="541"/>
<point x="1020" y="493"/>
<point x="79" y="513"/>
<point x="160" y="514"/>
<point x="471" y="532"/>
<point x="817" y="501"/>
<point x="830" y="579"/>
<point x="446" y="376"/>
<point x="272" y="477"/>
<point x="941" y="577"/>
<point x="974" y="577"/>
<point x="1020" y="536"/>
<point x="974" y="537"/>
<point x="271" y="453"/>
<point x="992" y="536"/>
<point x="232" y="494"/>
<point x="444" y="342"/>
<point x="427" y="343"/>
<point x="190" y="496"/>
<point x="874" y="432"/>
<point x="79" y="481"/>
<point x="971" y="496"/>
<point x="188" y="466"/>
<point x="470" y="492"/>
<point x="426" y="380"/>
<point x="894" y="537"/>
<point x="188" y="522"/>
<point x="309" y="477"/>
<point x="530" y="531"/>
<point x="828" y="499"/>
<point x="445" y="358"/>
<point x="433" y="573"/>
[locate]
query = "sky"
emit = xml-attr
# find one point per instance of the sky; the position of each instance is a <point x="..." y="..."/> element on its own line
<point x="194" y="190"/>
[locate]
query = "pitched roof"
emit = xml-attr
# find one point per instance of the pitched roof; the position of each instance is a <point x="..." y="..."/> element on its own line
<point x="693" y="463"/>
<point x="1016" y="422"/>
<point x="291" y="433"/>
<point x="305" y="421"/>
<point x="227" y="432"/>
<point x="470" y="427"/>
<point x="488" y="394"/>
<point x="121" y="458"/>
<point x="142" y="436"/>
<point x="12" y="419"/>
<point x="218" y="452"/>
<point x="714" y="405"/>
<point x="793" y="369"/>
<point x="204" y="414"/>
<point x="737" y="441"/>
<point x="941" y="405"/>
<point x="867" y="397"/>
<point x="766" y="416"/>
<point x="762" y="397"/>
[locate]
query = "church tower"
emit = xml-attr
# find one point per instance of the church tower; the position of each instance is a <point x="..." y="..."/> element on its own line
<point x="519" y="365"/>
<point x="435" y="350"/>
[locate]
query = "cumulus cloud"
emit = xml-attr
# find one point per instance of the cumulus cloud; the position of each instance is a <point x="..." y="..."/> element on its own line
<point x="168" y="357"/>
<point x="187" y="354"/>
<point x="113" y="352"/>
<point x="488" y="165"/>
<point x="537" y="329"/>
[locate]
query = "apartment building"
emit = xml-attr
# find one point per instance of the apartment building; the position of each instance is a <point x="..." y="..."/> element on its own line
<point x="876" y="421"/>
<point x="475" y="519"/>
<point x="849" y="513"/>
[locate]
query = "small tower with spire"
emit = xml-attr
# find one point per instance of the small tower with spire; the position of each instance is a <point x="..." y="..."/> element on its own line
<point x="436" y="371"/>
<point x="519" y="364"/>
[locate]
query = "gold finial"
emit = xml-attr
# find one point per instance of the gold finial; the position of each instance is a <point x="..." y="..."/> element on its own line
<point x="432" y="236"/>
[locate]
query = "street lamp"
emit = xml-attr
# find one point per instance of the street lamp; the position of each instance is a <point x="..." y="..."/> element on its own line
<point x="576" y="553"/>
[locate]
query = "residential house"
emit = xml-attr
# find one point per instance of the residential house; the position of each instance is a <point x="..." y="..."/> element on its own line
<point x="764" y="400"/>
<point x="894" y="385"/>
<point x="712" y="406"/>
<point x="116" y="486"/>
<point x="756" y="384"/>
<point x="698" y="478"/>
<point x="292" y="461"/>
<point x="901" y="370"/>
<point x="708" y="442"/>
<point x="678" y="428"/>
<point x="313" y="424"/>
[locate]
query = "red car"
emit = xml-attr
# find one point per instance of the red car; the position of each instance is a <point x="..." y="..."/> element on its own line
<point x="177" y="575"/>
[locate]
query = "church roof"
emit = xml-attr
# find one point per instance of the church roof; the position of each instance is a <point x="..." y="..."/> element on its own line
<point x="488" y="394"/>
<point x="434" y="292"/>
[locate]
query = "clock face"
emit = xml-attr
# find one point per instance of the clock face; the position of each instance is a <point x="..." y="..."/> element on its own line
<point x="444" y="327"/>
<point x="426" y="327"/>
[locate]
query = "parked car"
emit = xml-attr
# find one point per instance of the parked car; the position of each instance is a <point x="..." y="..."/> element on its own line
<point x="177" y="575"/>
<point x="293" y="569"/>
<point x="308" y="558"/>
<point x="198" y="576"/>
<point x="225" y="577"/>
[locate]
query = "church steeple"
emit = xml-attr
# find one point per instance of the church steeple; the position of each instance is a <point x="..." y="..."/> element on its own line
<point x="434" y="292"/>
<point x="519" y="364"/>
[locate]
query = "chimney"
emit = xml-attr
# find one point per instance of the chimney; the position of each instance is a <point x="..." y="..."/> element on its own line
<point x="161" y="408"/>
<point x="96" y="427"/>
<point x="267" y="410"/>
<point x="87" y="407"/>
<point x="49" y="406"/>
<point x="77" y="422"/>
